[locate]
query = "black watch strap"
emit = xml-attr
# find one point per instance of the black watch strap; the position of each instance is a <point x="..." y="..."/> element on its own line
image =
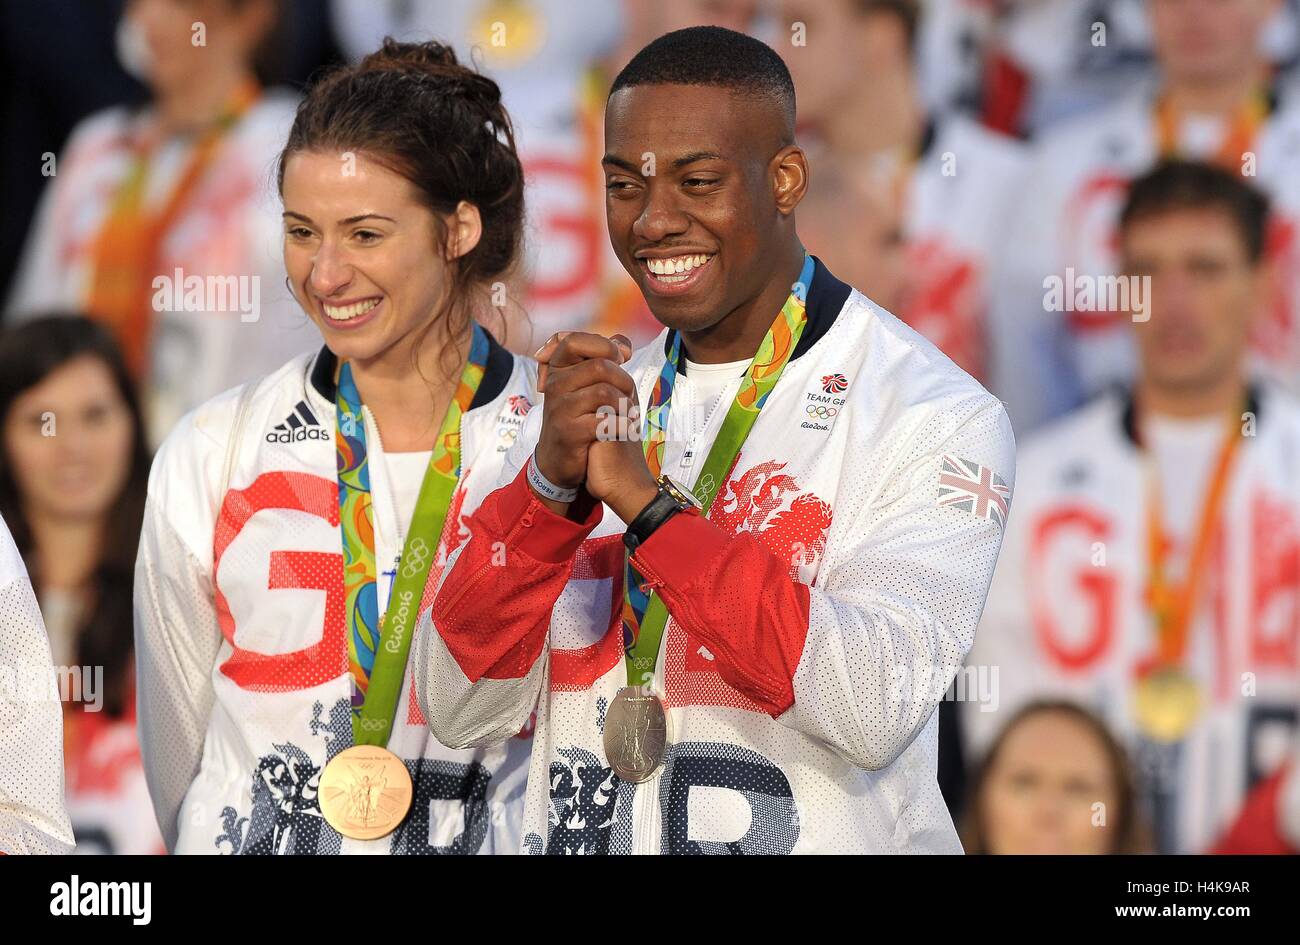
<point x="660" y="509"/>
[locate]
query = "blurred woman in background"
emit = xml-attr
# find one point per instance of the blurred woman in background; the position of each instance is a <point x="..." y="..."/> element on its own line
<point x="1054" y="781"/>
<point x="73" y="470"/>
<point x="161" y="221"/>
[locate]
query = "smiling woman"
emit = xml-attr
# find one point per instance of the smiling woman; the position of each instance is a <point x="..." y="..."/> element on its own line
<point x="276" y="719"/>
<point x="392" y="239"/>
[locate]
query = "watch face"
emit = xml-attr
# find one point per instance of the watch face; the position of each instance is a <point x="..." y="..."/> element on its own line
<point x="680" y="492"/>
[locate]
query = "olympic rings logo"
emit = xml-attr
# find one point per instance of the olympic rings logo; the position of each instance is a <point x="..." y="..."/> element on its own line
<point x="419" y="554"/>
<point x="821" y="411"/>
<point x="373" y="725"/>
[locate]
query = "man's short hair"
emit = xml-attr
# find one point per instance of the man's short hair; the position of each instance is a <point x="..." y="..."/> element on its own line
<point x="1192" y="185"/>
<point x="712" y="55"/>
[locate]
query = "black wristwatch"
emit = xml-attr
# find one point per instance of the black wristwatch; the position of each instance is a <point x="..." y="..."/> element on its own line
<point x="672" y="498"/>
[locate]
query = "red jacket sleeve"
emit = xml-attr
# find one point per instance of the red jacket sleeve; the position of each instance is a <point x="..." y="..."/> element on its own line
<point x="493" y="609"/>
<point x="737" y="597"/>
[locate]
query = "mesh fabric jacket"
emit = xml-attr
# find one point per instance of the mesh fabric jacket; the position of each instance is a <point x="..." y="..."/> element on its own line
<point x="32" y="814"/>
<point x="817" y="614"/>
<point x="240" y="627"/>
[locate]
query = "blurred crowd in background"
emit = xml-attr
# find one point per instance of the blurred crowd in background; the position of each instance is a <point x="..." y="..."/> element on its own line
<point x="1136" y="678"/>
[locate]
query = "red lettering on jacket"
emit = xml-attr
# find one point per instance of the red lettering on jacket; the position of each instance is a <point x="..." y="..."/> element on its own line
<point x="1090" y="218"/>
<point x="573" y="670"/>
<point x="1096" y="585"/>
<point x="1275" y="585"/>
<point x="316" y="570"/>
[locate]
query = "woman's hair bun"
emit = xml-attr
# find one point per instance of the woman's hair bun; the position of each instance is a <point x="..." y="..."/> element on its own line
<point x="437" y="61"/>
<point x="430" y="55"/>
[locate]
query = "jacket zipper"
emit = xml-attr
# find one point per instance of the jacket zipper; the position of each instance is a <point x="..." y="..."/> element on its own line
<point x="648" y="827"/>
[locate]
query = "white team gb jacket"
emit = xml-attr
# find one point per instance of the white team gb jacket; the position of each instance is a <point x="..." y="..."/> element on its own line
<point x="241" y="652"/>
<point x="33" y="818"/>
<point x="817" y="615"/>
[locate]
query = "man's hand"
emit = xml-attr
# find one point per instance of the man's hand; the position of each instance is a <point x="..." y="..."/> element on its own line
<point x="583" y="384"/>
<point x="584" y="370"/>
<point x="617" y="473"/>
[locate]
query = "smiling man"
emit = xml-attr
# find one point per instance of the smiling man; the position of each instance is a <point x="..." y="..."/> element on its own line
<point x="735" y="623"/>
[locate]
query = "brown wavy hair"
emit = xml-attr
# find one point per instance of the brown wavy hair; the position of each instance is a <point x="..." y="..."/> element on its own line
<point x="418" y="111"/>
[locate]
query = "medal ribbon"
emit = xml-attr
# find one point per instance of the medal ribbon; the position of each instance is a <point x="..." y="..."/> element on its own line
<point x="1239" y="139"/>
<point x="1172" y="605"/>
<point x="644" y="615"/>
<point x="378" y="648"/>
<point x="125" y="250"/>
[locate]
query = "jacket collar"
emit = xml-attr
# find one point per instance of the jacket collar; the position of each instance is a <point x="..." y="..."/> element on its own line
<point x="826" y="298"/>
<point x="1128" y="416"/>
<point x="500" y="364"/>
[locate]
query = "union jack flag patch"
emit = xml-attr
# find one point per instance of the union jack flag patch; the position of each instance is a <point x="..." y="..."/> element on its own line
<point x="973" y="488"/>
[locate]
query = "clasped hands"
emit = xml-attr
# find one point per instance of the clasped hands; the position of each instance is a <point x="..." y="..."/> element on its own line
<point x="591" y="422"/>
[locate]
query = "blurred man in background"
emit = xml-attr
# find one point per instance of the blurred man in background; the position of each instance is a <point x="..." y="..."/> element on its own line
<point x="1215" y="100"/>
<point x="1152" y="563"/>
<point x="1048" y="60"/>
<point x="950" y="182"/>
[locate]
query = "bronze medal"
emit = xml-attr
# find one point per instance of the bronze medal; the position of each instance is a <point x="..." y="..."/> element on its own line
<point x="365" y="792"/>
<point x="636" y="734"/>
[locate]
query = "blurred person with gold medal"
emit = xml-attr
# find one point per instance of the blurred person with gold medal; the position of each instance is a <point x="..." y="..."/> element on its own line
<point x="1152" y="568"/>
<point x="160" y="222"/>
<point x="1168" y="699"/>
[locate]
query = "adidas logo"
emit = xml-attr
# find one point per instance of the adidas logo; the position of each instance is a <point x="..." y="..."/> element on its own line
<point x="300" y="425"/>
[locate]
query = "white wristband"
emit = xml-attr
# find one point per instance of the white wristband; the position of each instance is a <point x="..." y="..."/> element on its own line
<point x="544" y="487"/>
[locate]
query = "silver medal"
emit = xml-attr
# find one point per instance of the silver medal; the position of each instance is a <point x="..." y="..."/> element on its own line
<point x="636" y="734"/>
